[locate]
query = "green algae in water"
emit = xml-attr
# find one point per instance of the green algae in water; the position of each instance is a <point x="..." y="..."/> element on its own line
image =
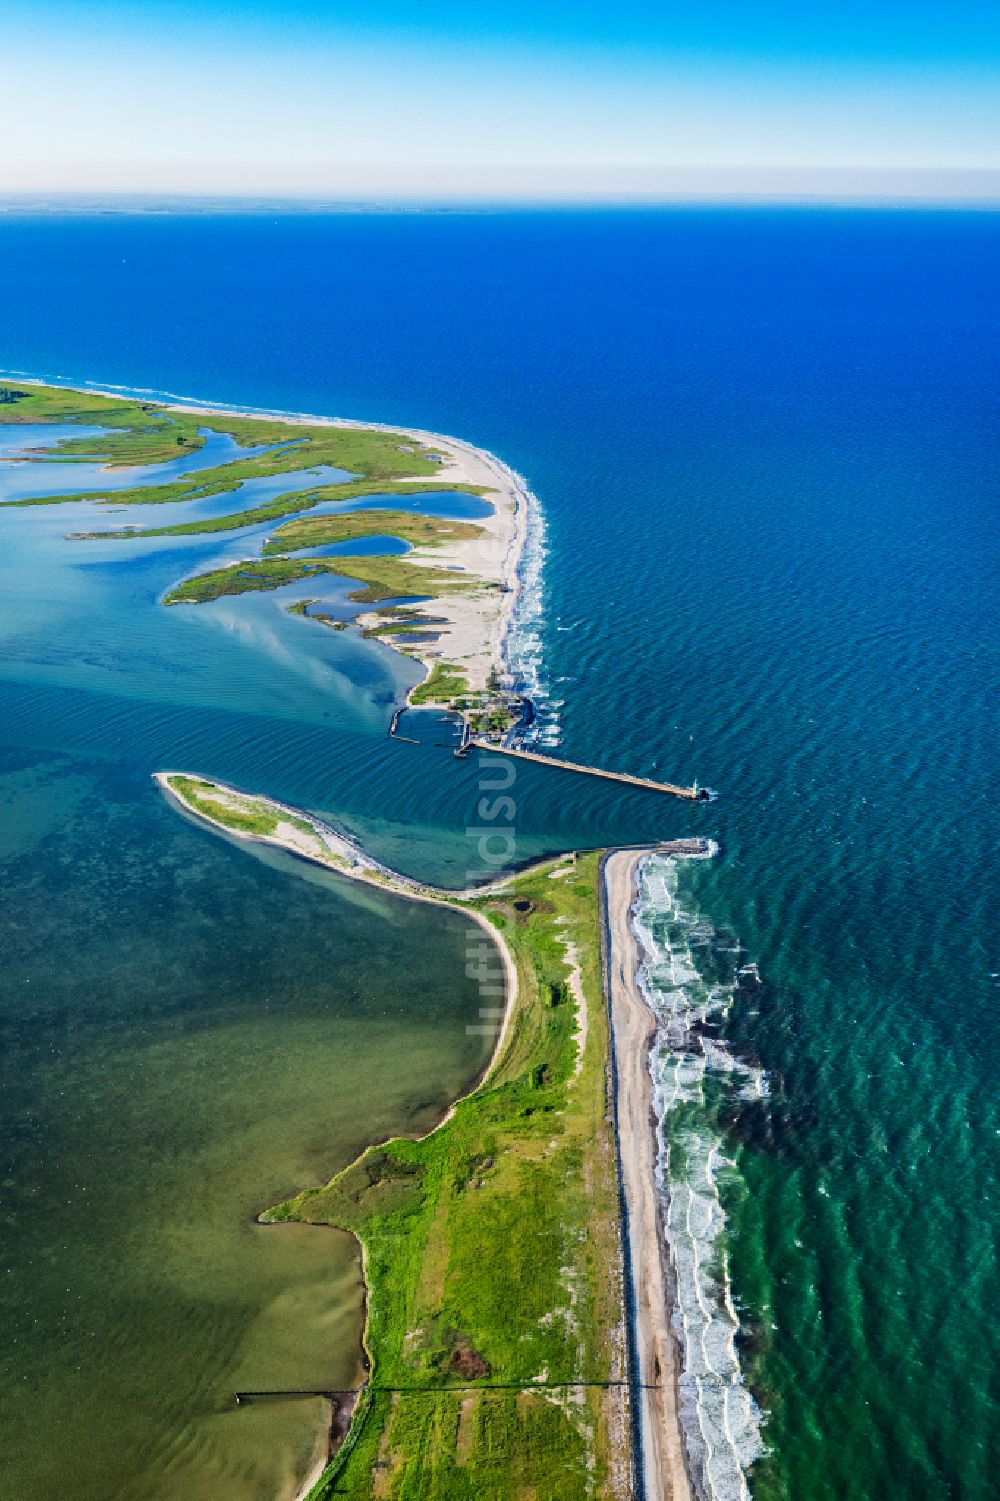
<point x="189" y="1037"/>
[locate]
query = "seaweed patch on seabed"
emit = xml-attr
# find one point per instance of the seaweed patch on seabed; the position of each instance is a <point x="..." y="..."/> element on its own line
<point x="695" y="1076"/>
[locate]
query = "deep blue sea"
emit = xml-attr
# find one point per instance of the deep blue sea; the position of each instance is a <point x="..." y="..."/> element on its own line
<point x="765" y="444"/>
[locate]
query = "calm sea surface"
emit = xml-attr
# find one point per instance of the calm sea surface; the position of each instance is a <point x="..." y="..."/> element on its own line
<point x="766" y="446"/>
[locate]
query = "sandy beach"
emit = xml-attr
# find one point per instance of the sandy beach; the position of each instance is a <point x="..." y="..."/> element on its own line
<point x="665" y="1475"/>
<point x="474" y="627"/>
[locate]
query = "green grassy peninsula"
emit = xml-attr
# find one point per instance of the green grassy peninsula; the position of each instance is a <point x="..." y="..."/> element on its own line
<point x="494" y="1341"/>
<point x="491" y="1249"/>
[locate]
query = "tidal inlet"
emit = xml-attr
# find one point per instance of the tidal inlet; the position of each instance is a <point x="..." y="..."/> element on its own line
<point x="334" y="1152"/>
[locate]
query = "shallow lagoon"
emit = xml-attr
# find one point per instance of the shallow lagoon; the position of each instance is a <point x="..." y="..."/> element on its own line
<point x="190" y="1033"/>
<point x="188" y="1037"/>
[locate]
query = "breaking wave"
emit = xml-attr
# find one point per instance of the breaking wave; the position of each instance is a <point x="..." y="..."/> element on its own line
<point x="523" y="647"/>
<point x="694" y="1072"/>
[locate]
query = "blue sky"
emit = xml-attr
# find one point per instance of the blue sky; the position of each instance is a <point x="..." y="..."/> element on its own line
<point x="543" y="99"/>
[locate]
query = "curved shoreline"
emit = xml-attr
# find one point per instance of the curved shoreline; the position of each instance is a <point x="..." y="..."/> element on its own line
<point x="512" y="488"/>
<point x="357" y="866"/>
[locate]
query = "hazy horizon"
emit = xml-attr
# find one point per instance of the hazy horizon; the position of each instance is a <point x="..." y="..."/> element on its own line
<point x="743" y="186"/>
<point x="534" y="101"/>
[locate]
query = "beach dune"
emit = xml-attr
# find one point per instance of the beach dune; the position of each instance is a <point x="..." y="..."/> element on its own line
<point x="656" y="1360"/>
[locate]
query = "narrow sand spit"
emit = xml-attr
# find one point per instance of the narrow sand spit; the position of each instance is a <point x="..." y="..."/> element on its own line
<point x="324" y="846"/>
<point x="657" y="1355"/>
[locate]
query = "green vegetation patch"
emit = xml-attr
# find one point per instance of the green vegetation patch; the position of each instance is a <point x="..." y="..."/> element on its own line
<point x="494" y="720"/>
<point x="250" y="817"/>
<point x="243" y="814"/>
<point x="491" y="1251"/>
<point x="450" y="1446"/>
<point x="410" y="632"/>
<point x="319" y="531"/>
<point x="241" y="578"/>
<point x="140" y="433"/>
<point x="445" y="681"/>
<point x="301" y="607"/>
<point x="380" y="578"/>
<point x="145" y="433"/>
<point x="398" y="620"/>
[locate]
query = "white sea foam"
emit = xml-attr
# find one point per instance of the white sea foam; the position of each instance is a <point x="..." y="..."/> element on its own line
<point x="523" y="647"/>
<point x="721" y="1421"/>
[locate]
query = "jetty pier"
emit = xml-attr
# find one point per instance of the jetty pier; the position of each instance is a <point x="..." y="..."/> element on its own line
<point x="693" y="794"/>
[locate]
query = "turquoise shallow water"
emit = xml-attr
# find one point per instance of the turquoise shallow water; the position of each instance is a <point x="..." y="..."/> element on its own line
<point x="765" y="442"/>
